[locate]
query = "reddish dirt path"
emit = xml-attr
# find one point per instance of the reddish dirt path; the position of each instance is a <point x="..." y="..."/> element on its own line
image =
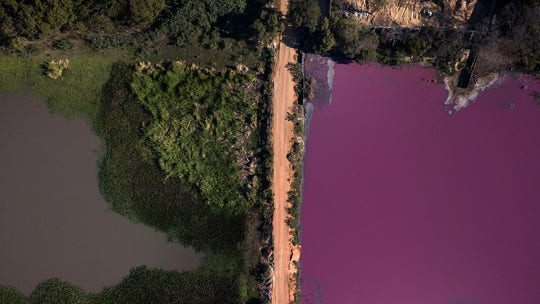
<point x="282" y="133"/>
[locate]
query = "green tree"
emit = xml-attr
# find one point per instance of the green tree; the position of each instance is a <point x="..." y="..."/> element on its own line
<point x="145" y="11"/>
<point x="354" y="40"/>
<point x="304" y="13"/>
<point x="56" y="15"/>
<point x="268" y="25"/>
<point x="54" y="291"/>
<point x="115" y="9"/>
<point x="26" y="22"/>
<point x="6" y="23"/>
<point x="323" y="39"/>
<point x="143" y="286"/>
<point x="41" y="18"/>
<point x="10" y="295"/>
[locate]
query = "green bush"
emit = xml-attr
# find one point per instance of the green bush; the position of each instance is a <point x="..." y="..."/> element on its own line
<point x="63" y="44"/>
<point x="131" y="178"/>
<point x="196" y="129"/>
<point x="146" y="286"/>
<point x="10" y="295"/>
<point x="54" y="291"/>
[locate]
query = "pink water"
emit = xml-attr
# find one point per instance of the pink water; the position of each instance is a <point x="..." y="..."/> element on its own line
<point x="406" y="204"/>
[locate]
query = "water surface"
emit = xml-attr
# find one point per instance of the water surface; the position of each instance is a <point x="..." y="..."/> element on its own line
<point x="53" y="221"/>
<point x="406" y="204"/>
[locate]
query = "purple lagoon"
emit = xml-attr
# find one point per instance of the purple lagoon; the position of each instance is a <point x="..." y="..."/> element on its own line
<point x="407" y="204"/>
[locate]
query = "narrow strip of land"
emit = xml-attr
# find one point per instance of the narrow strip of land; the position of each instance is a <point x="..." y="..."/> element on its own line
<point x="282" y="132"/>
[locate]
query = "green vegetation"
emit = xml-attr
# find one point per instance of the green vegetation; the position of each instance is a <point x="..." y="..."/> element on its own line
<point x="296" y="154"/>
<point x="511" y="41"/>
<point x="75" y="94"/>
<point x="185" y="146"/>
<point x="140" y="286"/>
<point x="54" y="291"/>
<point x="515" y="37"/>
<point x="138" y="176"/>
<point x="44" y="18"/>
<point x="346" y="39"/>
<point x="296" y="157"/>
<point x="55" y="68"/>
<point x="322" y="41"/>
<point x="440" y="47"/>
<point x="268" y="25"/>
<point x="12" y="296"/>
<point x="144" y="285"/>
<point x="131" y="174"/>
<point x="133" y="23"/>
<point x="304" y="13"/>
<point x="354" y="40"/>
<point x="134" y="183"/>
<point x="197" y="132"/>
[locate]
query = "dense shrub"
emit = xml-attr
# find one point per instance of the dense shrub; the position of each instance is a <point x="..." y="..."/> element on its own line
<point x="196" y="130"/>
<point x="268" y="25"/>
<point x="132" y="181"/>
<point x="63" y="44"/>
<point x="43" y="18"/>
<point x="304" y="13"/>
<point x="143" y="286"/>
<point x="54" y="291"/>
<point x="354" y="40"/>
<point x="12" y="296"/>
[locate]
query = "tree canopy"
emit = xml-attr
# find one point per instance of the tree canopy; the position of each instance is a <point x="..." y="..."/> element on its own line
<point x="12" y="296"/>
<point x="304" y="13"/>
<point x="355" y="40"/>
<point x="54" y="291"/>
<point x="322" y="40"/>
<point x="141" y="286"/>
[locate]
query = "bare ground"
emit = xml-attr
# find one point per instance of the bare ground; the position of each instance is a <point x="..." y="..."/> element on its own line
<point x="283" y="286"/>
<point x="406" y="13"/>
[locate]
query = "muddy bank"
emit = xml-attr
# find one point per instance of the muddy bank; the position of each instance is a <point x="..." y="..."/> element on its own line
<point x="53" y="221"/>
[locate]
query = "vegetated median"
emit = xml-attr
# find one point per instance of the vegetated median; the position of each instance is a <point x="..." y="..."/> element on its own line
<point x="186" y="144"/>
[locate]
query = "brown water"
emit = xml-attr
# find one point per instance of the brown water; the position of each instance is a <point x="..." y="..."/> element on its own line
<point x="53" y="221"/>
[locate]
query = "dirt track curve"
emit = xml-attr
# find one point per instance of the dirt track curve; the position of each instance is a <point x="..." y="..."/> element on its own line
<point x="282" y="133"/>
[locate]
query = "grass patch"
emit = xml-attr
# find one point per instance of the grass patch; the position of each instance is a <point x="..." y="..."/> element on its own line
<point x="76" y="94"/>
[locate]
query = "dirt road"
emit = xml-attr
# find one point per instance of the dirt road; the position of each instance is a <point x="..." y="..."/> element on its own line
<point x="282" y="132"/>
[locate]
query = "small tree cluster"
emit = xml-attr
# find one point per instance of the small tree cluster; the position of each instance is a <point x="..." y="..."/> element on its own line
<point x="268" y="25"/>
<point x="55" y="67"/>
<point x="304" y="13"/>
<point x="354" y="40"/>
